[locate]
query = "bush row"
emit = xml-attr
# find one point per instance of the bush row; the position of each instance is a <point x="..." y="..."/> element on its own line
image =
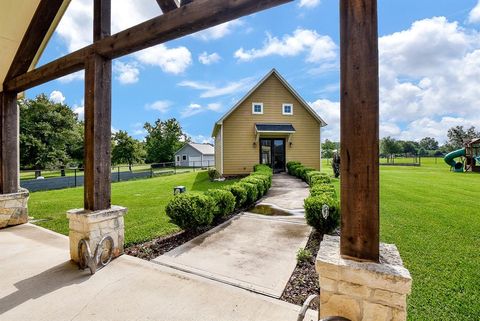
<point x="191" y="211"/>
<point x="322" y="208"/>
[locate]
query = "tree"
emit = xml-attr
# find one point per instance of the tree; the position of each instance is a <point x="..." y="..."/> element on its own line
<point x="409" y="147"/>
<point x="328" y="147"/>
<point x="126" y="149"/>
<point x="428" y="143"/>
<point x="457" y="136"/>
<point x="50" y="133"/>
<point x="389" y="146"/>
<point x="163" y="139"/>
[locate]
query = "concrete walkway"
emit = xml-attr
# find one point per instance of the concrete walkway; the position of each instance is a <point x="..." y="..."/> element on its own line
<point x="255" y="252"/>
<point x="38" y="282"/>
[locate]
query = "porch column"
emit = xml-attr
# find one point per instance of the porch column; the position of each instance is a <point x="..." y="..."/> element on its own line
<point x="98" y="218"/>
<point x="353" y="283"/>
<point x="359" y="126"/>
<point x="13" y="200"/>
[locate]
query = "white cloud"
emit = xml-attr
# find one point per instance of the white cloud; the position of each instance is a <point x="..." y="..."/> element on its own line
<point x="329" y="111"/>
<point x="57" y="97"/>
<point x="75" y="28"/>
<point x="201" y="139"/>
<point x="126" y="73"/>
<point x="210" y="90"/>
<point x="208" y="59"/>
<point x="318" y="48"/>
<point x="219" y="31"/>
<point x="309" y="3"/>
<point x="174" y="60"/>
<point x="160" y="105"/>
<point x="79" y="75"/>
<point x="80" y="111"/>
<point x="194" y="109"/>
<point x="428" y="81"/>
<point x="474" y="16"/>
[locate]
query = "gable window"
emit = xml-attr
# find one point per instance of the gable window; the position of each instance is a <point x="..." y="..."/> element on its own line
<point x="287" y="109"/>
<point x="257" y="108"/>
<point x="184" y="157"/>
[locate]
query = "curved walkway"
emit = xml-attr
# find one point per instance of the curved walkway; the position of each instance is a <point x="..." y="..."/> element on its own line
<point x="251" y="251"/>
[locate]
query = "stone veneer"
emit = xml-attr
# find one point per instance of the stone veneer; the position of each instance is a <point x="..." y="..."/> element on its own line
<point x="362" y="291"/>
<point x="93" y="226"/>
<point x="14" y="208"/>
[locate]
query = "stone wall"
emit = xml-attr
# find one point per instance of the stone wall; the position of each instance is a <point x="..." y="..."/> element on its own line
<point x="14" y="208"/>
<point x="362" y="291"/>
<point x="93" y="226"/>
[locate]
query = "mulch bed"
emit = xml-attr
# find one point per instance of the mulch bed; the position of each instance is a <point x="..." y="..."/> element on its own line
<point x="304" y="279"/>
<point x="156" y="247"/>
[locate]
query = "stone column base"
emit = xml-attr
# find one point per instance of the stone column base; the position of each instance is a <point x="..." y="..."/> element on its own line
<point x="362" y="291"/>
<point x="14" y="208"/>
<point x="93" y="226"/>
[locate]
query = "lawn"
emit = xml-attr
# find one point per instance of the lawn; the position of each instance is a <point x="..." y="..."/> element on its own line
<point x="433" y="216"/>
<point x="145" y="199"/>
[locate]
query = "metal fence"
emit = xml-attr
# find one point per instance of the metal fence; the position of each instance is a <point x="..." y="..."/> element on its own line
<point x="43" y="180"/>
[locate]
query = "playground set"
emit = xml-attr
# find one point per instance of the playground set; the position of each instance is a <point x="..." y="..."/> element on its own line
<point x="470" y="157"/>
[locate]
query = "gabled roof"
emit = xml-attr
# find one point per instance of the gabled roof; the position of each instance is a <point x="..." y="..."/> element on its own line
<point x="286" y="85"/>
<point x="205" y="149"/>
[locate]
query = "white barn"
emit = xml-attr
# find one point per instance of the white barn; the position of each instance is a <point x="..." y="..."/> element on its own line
<point x="195" y="155"/>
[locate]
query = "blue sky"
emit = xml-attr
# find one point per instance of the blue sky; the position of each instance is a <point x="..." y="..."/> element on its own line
<point x="429" y="61"/>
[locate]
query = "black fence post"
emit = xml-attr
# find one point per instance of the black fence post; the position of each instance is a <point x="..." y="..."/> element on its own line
<point x="75" y="174"/>
<point x="118" y="174"/>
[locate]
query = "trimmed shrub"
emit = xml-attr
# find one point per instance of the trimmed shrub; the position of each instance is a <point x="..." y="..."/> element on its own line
<point x="252" y="192"/>
<point x="191" y="210"/>
<point x="262" y="168"/>
<point x="305" y="171"/>
<point x="295" y="169"/>
<point x="213" y="174"/>
<point x="267" y="179"/>
<point x="258" y="182"/>
<point x="320" y="179"/>
<point x="314" y="173"/>
<point x="322" y="213"/>
<point x="320" y="189"/>
<point x="292" y="163"/>
<point x="239" y="192"/>
<point x="224" y="201"/>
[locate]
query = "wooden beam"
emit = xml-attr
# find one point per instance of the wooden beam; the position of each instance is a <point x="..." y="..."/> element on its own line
<point x="101" y="19"/>
<point x="32" y="40"/>
<point x="9" y="143"/>
<point x="167" y="5"/>
<point x="193" y="17"/>
<point x="98" y="118"/>
<point x="359" y="127"/>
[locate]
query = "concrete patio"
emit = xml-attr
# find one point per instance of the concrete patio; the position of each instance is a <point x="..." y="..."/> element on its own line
<point x="42" y="284"/>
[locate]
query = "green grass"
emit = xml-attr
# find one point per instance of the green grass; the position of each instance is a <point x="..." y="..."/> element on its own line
<point x="430" y="213"/>
<point x="145" y="199"/>
<point x="433" y="216"/>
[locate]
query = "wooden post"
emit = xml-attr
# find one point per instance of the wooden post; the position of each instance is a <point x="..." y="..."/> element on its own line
<point x="359" y="119"/>
<point x="98" y="108"/>
<point x="9" y="143"/>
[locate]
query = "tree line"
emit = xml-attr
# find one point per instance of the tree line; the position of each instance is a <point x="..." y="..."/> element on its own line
<point x="52" y="136"/>
<point x="426" y="146"/>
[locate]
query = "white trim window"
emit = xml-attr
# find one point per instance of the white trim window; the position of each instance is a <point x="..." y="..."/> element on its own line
<point x="184" y="157"/>
<point x="287" y="109"/>
<point x="257" y="108"/>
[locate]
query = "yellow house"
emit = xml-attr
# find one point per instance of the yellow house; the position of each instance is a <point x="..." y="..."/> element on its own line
<point x="270" y="125"/>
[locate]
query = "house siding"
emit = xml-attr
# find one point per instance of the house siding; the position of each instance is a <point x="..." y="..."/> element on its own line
<point x="194" y="158"/>
<point x="239" y="153"/>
